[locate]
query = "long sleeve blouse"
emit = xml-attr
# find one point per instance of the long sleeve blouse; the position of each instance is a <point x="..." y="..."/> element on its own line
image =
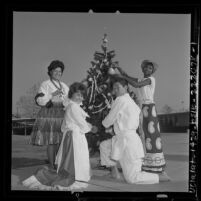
<point x="47" y="88"/>
<point x="75" y="118"/>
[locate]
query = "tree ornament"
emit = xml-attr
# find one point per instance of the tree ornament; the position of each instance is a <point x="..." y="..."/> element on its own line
<point x="90" y="79"/>
<point x="90" y="107"/>
<point x="94" y="129"/>
<point x="107" y="63"/>
<point x="111" y="71"/>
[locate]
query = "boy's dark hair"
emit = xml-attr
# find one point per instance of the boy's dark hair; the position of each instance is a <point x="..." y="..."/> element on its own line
<point x="121" y="80"/>
<point x="75" y="87"/>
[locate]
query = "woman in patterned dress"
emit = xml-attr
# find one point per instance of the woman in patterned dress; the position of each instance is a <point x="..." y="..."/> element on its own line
<point x="52" y="97"/>
<point x="154" y="160"/>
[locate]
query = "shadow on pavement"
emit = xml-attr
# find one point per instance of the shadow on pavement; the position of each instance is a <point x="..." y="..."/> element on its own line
<point x="26" y="162"/>
<point x="107" y="178"/>
<point x="177" y="157"/>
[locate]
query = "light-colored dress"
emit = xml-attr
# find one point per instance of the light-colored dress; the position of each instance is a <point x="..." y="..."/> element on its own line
<point x="126" y="146"/>
<point x="73" y="171"/>
<point x="75" y="121"/>
<point x="154" y="158"/>
<point x="47" y="127"/>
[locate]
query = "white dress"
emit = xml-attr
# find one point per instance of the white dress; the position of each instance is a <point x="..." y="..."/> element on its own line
<point x="74" y="120"/>
<point x="126" y="146"/>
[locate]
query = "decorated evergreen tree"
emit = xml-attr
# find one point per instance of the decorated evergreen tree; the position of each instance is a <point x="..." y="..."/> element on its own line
<point x="99" y="93"/>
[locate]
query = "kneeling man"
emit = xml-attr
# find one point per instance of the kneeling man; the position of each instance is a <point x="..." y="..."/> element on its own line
<point x="125" y="146"/>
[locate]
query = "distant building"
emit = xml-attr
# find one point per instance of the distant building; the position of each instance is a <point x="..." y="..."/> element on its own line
<point x="174" y="122"/>
<point x="22" y="126"/>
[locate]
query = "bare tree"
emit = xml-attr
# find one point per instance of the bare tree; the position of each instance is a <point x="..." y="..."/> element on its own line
<point x="26" y="104"/>
<point x="166" y="109"/>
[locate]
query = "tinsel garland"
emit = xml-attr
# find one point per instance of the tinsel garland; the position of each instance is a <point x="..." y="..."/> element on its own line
<point x="95" y="89"/>
<point x="91" y="94"/>
<point x="99" y="110"/>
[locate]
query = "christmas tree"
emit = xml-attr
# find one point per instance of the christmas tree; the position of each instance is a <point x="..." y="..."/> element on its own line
<point x="99" y="93"/>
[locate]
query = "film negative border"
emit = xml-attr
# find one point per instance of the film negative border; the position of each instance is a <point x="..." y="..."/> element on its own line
<point x="193" y="124"/>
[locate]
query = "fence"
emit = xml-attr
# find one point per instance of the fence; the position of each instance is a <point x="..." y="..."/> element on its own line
<point x="22" y="126"/>
<point x="173" y="122"/>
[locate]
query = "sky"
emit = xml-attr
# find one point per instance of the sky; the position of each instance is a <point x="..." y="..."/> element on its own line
<point x="40" y="37"/>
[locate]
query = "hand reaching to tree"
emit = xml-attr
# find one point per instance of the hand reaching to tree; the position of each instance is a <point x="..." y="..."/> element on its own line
<point x="122" y="72"/>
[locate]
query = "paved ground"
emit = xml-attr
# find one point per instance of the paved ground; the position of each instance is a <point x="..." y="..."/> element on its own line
<point x="26" y="159"/>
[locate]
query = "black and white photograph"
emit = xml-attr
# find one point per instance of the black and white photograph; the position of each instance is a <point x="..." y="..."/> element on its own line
<point x="101" y="102"/>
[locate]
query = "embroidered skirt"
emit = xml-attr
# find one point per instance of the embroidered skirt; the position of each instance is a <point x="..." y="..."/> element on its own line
<point x="154" y="158"/>
<point x="47" y="127"/>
